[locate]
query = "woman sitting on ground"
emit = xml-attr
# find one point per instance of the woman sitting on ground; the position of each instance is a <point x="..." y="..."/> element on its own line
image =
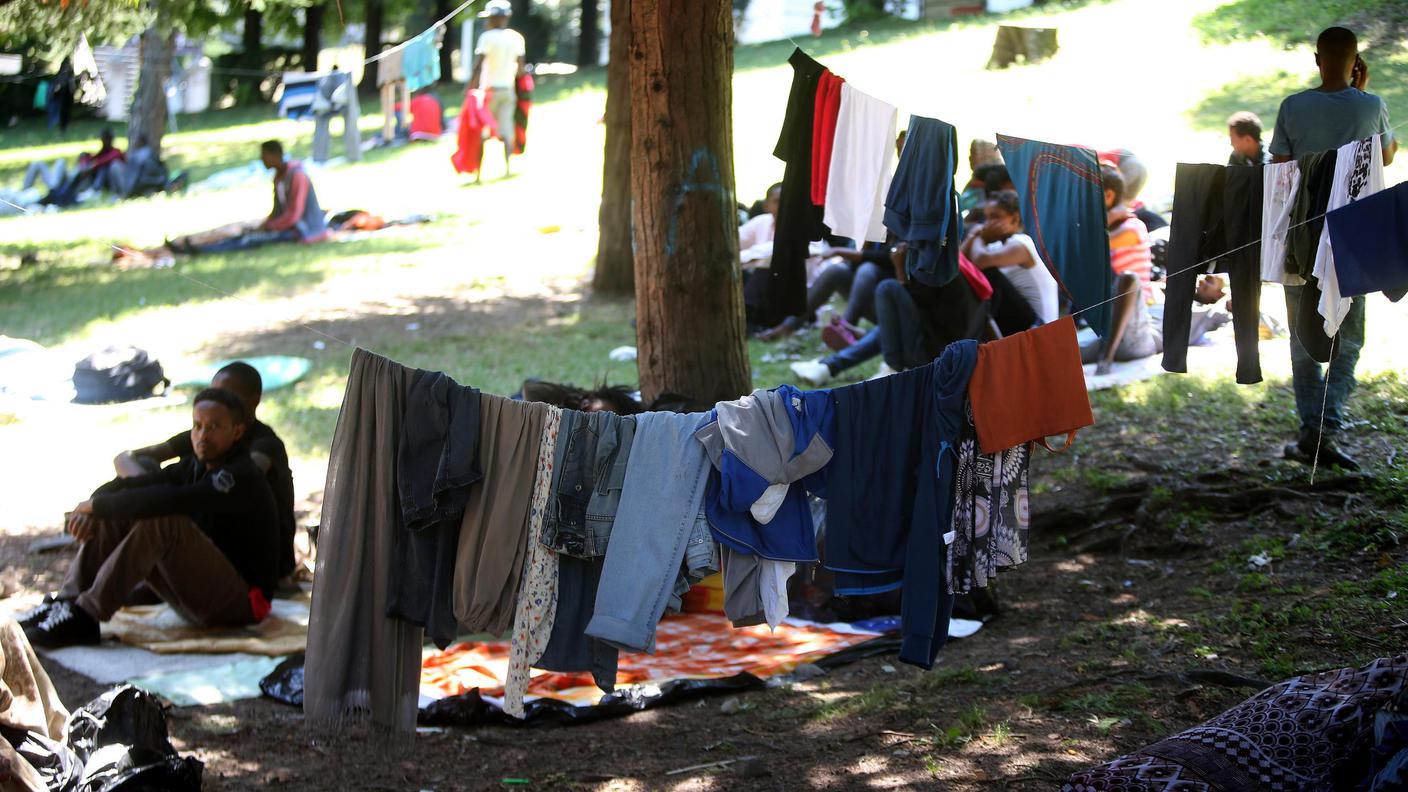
<point x="1025" y="292"/>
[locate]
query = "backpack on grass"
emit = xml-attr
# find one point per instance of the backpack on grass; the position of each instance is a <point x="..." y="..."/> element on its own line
<point x="117" y="374"/>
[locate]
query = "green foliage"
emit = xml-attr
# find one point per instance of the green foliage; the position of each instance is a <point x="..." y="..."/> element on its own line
<point x="1294" y="22"/>
<point x="48" y="30"/>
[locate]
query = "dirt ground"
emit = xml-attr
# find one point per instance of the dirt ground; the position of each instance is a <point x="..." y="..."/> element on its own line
<point x="1138" y="592"/>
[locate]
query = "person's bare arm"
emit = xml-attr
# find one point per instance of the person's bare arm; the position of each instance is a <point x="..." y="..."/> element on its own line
<point x="128" y="464"/>
<point x="475" y="72"/>
<point x="1390" y="150"/>
<point x="1012" y="252"/>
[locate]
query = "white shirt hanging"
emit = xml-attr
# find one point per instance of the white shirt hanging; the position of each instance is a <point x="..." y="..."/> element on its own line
<point x="862" y="164"/>
<point x="1359" y="173"/>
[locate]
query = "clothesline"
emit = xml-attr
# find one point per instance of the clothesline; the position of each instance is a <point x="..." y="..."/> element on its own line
<point x="1209" y="260"/>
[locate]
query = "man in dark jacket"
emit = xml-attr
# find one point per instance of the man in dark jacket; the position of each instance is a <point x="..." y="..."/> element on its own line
<point x="263" y="443"/>
<point x="202" y="534"/>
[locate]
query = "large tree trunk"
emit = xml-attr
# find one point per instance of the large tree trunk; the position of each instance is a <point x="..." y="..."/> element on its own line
<point x="689" y="304"/>
<point x="147" y="119"/>
<point x="312" y="35"/>
<point x="589" y="40"/>
<point x="252" y="58"/>
<point x="451" y="42"/>
<point x="373" y="15"/>
<point x="615" y="267"/>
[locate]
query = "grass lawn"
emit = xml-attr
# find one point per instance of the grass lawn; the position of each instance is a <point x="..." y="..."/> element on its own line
<point x="494" y="290"/>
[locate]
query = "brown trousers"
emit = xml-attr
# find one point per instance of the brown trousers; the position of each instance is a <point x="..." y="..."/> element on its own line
<point x="173" y="557"/>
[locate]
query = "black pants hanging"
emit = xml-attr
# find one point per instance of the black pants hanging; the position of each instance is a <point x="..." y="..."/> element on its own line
<point x="798" y="219"/>
<point x="1216" y="209"/>
<point x="1317" y="175"/>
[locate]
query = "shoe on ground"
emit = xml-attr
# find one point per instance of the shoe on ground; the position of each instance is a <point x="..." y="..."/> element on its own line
<point x="813" y="372"/>
<point x="65" y="624"/>
<point x="837" y="336"/>
<point x="883" y="371"/>
<point x="1331" y="455"/>
<point x="31" y="619"/>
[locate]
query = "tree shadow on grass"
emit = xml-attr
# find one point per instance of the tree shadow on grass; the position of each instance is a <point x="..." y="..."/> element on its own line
<point x="493" y="345"/>
<point x="53" y="301"/>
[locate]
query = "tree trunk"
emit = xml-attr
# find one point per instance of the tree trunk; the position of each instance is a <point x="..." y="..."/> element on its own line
<point x="253" y="39"/>
<point x="689" y="304"/>
<point x="615" y="267"/>
<point x="373" y="14"/>
<point x="450" y="43"/>
<point x="312" y="35"/>
<point x="589" y="40"/>
<point x="147" y="119"/>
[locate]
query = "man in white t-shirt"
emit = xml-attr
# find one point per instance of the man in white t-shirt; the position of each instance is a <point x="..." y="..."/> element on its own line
<point x="498" y="61"/>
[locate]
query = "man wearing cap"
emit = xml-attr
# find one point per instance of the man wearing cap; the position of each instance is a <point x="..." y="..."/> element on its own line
<point x="498" y="61"/>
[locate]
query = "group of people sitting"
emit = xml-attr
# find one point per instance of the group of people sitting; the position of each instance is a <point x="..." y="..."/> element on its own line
<point x="210" y="535"/>
<point x="1006" y="286"/>
<point x="131" y="174"/>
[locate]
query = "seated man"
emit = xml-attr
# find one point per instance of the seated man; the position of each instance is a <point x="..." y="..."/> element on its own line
<point x="64" y="186"/>
<point x="915" y="323"/>
<point x="140" y="173"/>
<point x="203" y="535"/>
<point x="1025" y="293"/>
<point x="265" y="449"/>
<point x="296" y="217"/>
<point x="1244" y="133"/>
<point x="1133" y="334"/>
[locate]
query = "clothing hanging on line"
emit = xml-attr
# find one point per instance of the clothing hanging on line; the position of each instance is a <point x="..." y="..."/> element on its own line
<point x="1359" y="173"/>
<point x="660" y="528"/>
<point x="1281" y="183"/>
<point x="798" y="219"/>
<point x="1044" y="360"/>
<point x="437" y="464"/>
<point x="1307" y="222"/>
<point x="991" y="518"/>
<point x="828" y="106"/>
<point x="860" y="167"/>
<point x="362" y="666"/>
<point x="493" y="542"/>
<point x="1063" y="209"/>
<point x="420" y="61"/>
<point x="537" y="598"/>
<point x="921" y="207"/>
<point x="1370" y="240"/>
<point x="763" y="447"/>
<point x="884" y="497"/>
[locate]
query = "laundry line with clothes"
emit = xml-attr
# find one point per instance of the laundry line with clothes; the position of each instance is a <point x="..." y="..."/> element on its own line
<point x="841" y="179"/>
<point x="449" y="511"/>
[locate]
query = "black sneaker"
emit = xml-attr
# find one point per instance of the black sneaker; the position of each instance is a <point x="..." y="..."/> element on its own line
<point x="31" y="619"/>
<point x="1330" y="454"/>
<point x="66" y="624"/>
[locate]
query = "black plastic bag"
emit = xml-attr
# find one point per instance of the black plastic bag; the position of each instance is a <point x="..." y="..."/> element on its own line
<point x="121" y="739"/>
<point x="285" y="683"/>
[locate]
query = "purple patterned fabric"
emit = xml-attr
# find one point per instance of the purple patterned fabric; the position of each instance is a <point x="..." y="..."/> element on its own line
<point x="1312" y="732"/>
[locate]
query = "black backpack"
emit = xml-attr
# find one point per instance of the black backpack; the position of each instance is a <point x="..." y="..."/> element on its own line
<point x="117" y="374"/>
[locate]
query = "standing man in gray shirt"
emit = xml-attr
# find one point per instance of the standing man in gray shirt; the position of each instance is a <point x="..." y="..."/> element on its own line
<point x="1324" y="118"/>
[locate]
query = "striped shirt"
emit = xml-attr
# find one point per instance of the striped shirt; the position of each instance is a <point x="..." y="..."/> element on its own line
<point x="1130" y="251"/>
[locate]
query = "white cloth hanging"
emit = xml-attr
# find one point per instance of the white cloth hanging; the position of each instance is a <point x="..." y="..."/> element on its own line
<point x="1359" y="173"/>
<point x="862" y="164"/>
<point x="1281" y="182"/>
